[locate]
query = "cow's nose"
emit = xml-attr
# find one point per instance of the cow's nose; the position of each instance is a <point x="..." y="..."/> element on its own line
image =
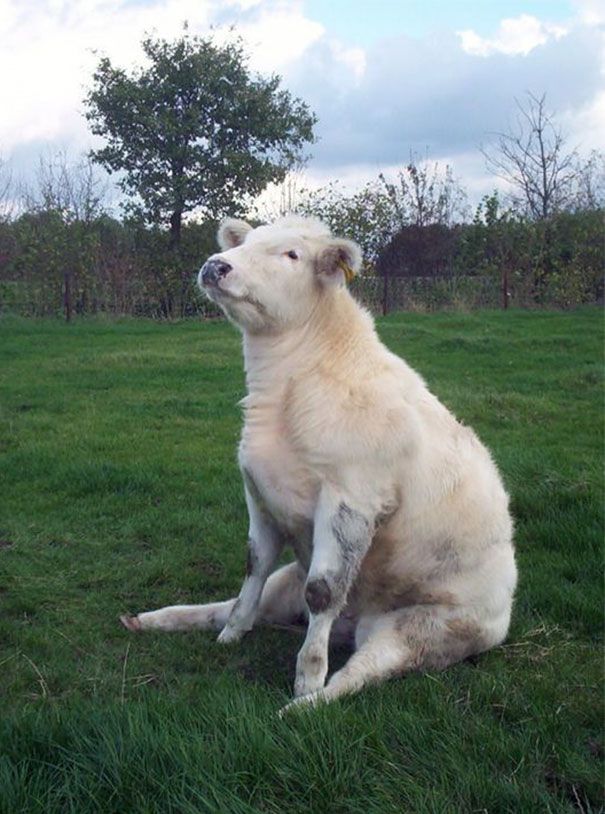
<point x="213" y="270"/>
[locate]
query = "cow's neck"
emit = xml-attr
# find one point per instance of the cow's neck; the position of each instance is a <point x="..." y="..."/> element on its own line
<point x="338" y="333"/>
<point x="266" y="358"/>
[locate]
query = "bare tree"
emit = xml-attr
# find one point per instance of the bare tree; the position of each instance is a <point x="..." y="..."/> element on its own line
<point x="63" y="203"/>
<point x="281" y="198"/>
<point x="73" y="189"/>
<point x="533" y="157"/>
<point x="423" y="194"/>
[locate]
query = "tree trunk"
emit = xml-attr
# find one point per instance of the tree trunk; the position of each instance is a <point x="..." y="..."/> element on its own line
<point x="176" y="220"/>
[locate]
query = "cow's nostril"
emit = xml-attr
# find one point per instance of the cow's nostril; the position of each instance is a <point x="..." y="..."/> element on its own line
<point x="214" y="269"/>
<point x="222" y="268"/>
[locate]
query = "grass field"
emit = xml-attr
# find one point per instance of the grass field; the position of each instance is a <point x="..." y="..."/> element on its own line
<point x="119" y="491"/>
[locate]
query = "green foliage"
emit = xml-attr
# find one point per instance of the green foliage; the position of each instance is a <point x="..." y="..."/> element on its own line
<point x="167" y="280"/>
<point x="366" y="216"/>
<point x="47" y="249"/>
<point x="129" y="268"/>
<point x="425" y="194"/>
<point x="120" y="491"/>
<point x="421" y="195"/>
<point x="114" y="267"/>
<point x="194" y="129"/>
<point x="559" y="261"/>
<point x="578" y="257"/>
<point x="423" y="258"/>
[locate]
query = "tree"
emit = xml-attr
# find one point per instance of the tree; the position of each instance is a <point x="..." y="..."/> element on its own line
<point x="533" y="157"/>
<point x="366" y="216"/>
<point x="420" y="195"/>
<point x="280" y="199"/>
<point x="60" y="211"/>
<point x="424" y="195"/>
<point x="194" y="129"/>
<point x="590" y="183"/>
<point x="73" y="189"/>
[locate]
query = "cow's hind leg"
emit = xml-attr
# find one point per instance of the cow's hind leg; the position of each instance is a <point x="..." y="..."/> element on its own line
<point x="421" y="637"/>
<point x="282" y="602"/>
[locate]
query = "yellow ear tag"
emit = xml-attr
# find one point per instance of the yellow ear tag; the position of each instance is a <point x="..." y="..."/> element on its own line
<point x="348" y="271"/>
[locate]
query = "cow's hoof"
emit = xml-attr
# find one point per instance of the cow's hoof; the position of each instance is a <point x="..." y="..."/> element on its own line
<point x="303" y="702"/>
<point x="229" y="635"/>
<point x="308" y="685"/>
<point x="131" y="623"/>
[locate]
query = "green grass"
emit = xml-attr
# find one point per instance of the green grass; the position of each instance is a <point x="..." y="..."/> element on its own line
<point x="119" y="490"/>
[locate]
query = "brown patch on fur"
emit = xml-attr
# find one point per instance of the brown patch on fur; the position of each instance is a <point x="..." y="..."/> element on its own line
<point x="462" y="638"/>
<point x="416" y="627"/>
<point x="389" y="593"/>
<point x="434" y="643"/>
<point x="376" y="581"/>
<point x="415" y="623"/>
<point x="318" y="595"/>
<point x="447" y="557"/>
<point x="468" y="632"/>
<point x="416" y="594"/>
<point x="382" y="586"/>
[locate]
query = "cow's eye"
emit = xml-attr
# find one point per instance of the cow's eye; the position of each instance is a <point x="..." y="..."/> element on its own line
<point x="292" y="254"/>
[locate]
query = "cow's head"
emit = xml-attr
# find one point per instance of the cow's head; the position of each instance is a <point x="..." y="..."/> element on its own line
<point x="271" y="278"/>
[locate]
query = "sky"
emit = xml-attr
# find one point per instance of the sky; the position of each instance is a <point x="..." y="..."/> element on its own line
<point x="437" y="77"/>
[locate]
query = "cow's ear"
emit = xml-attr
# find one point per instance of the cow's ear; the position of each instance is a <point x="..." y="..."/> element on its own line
<point x="338" y="261"/>
<point x="232" y="233"/>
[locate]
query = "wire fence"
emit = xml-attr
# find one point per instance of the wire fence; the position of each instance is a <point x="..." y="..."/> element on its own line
<point x="381" y="295"/>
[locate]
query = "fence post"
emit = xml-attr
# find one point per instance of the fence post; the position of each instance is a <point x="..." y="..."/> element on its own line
<point x="67" y="295"/>
<point x="385" y="290"/>
<point x="505" y="286"/>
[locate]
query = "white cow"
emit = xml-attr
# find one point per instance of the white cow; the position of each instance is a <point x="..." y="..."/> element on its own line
<point x="395" y="511"/>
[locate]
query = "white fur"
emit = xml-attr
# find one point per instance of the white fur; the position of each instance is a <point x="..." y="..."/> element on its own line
<point x="395" y="510"/>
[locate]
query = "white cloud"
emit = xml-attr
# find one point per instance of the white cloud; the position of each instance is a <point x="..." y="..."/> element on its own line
<point x="590" y="12"/>
<point x="516" y="35"/>
<point x="586" y="127"/>
<point x="277" y="37"/>
<point x="353" y="59"/>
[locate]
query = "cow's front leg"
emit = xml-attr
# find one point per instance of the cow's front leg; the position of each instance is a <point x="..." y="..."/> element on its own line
<point x="341" y="537"/>
<point x="264" y="547"/>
